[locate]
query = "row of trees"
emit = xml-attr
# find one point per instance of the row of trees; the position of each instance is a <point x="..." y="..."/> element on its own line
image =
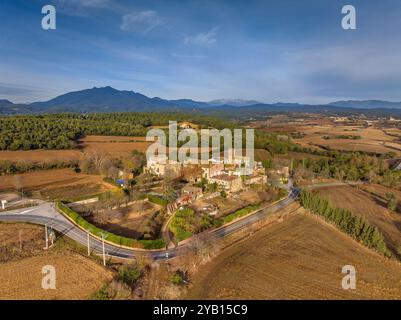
<point x="344" y="219"/>
<point x="8" y="167"/>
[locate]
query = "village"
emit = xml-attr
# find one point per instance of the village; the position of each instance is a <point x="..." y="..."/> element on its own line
<point x="227" y="178"/>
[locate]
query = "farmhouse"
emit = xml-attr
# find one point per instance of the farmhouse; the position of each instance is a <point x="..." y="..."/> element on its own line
<point x="212" y="170"/>
<point x="228" y="183"/>
<point x="195" y="192"/>
<point x="255" y="179"/>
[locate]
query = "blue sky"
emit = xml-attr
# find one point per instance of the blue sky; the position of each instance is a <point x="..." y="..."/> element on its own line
<point x="287" y="50"/>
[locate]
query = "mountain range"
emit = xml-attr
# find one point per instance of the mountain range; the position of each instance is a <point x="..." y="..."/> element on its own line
<point x="108" y="99"/>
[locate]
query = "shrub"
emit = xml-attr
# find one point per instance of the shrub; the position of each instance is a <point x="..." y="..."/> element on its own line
<point x="101" y="294"/>
<point x="177" y="279"/>
<point x="240" y="213"/>
<point x="157" y="200"/>
<point x="129" y="275"/>
<point x="183" y="224"/>
<point x="282" y="193"/>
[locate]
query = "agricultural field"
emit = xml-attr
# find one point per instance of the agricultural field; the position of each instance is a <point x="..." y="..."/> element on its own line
<point x="369" y="206"/>
<point x="55" y="184"/>
<point x="348" y="138"/>
<point x="114" y="145"/>
<point x="40" y="156"/>
<point x="76" y="277"/>
<point x="299" y="258"/>
<point x="20" y="241"/>
<point x="22" y="258"/>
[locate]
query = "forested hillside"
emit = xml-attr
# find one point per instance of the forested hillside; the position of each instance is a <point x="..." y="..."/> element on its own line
<point x="60" y="131"/>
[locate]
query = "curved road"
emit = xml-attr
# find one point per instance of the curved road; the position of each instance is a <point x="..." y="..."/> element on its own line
<point x="46" y="214"/>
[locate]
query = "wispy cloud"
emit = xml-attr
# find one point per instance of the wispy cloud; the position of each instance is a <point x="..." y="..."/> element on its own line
<point x="142" y="22"/>
<point x="80" y="7"/>
<point x="203" y="39"/>
<point x="18" y="93"/>
<point x="188" y="56"/>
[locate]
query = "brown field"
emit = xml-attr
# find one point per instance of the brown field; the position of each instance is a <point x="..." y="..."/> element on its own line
<point x="114" y="145"/>
<point x="32" y="241"/>
<point x="40" y="155"/>
<point x="57" y="183"/>
<point x="131" y="221"/>
<point x="372" y="139"/>
<point x="300" y="258"/>
<point x="76" y="277"/>
<point x="393" y="132"/>
<point x="381" y="191"/>
<point x="370" y="207"/>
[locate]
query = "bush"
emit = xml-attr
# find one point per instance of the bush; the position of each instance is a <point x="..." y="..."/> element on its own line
<point x="101" y="294"/>
<point x="282" y="193"/>
<point x="153" y="244"/>
<point x="240" y="213"/>
<point x="177" y="279"/>
<point x="157" y="200"/>
<point x="129" y="275"/>
<point x="183" y="224"/>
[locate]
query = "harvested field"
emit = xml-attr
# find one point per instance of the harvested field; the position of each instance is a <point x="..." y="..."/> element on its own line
<point x="300" y="258"/>
<point x="57" y="183"/>
<point x="371" y="139"/>
<point x="36" y="156"/>
<point x="31" y="236"/>
<point x="370" y="207"/>
<point x="76" y="277"/>
<point x="118" y="146"/>
<point x="381" y="191"/>
<point x="114" y="145"/>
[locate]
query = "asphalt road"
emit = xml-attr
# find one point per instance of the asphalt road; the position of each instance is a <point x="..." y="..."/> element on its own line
<point x="46" y="214"/>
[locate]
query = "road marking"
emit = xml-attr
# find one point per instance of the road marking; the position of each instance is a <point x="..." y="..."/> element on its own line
<point x="26" y="211"/>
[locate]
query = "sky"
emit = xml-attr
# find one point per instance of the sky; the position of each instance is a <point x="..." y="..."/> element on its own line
<point x="270" y="51"/>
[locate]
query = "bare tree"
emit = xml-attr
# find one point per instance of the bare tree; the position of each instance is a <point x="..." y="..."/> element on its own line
<point x="18" y="184"/>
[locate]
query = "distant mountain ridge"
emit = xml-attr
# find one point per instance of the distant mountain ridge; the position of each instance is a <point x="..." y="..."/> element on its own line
<point x="108" y="99"/>
<point x="233" y="102"/>
<point x="366" y="104"/>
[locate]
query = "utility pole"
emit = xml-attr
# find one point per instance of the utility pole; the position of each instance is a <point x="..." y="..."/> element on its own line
<point x="47" y="237"/>
<point x="52" y="236"/>
<point x="20" y="239"/>
<point x="104" y="253"/>
<point x="89" y="250"/>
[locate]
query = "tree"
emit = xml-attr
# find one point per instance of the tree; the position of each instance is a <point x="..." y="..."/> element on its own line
<point x="18" y="184"/>
<point x="392" y="202"/>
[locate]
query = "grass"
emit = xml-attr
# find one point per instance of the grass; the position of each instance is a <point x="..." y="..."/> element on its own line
<point x="182" y="223"/>
<point x="101" y="294"/>
<point x="157" y="200"/>
<point x="240" y="213"/>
